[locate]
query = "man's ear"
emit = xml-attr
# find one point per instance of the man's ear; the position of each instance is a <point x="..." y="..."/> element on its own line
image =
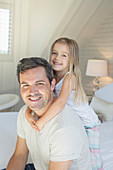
<point x="53" y="84"/>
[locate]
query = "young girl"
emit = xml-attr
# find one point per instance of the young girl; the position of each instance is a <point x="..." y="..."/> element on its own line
<point x="64" y="58"/>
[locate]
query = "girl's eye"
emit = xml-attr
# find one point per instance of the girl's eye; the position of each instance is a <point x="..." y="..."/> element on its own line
<point x="54" y="53"/>
<point x="64" y="55"/>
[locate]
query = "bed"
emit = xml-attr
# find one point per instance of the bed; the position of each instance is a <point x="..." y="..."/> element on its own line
<point x="8" y="138"/>
<point x="106" y="144"/>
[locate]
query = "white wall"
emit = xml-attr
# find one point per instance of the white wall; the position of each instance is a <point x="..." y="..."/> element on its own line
<point x="44" y="16"/>
<point x="34" y="21"/>
<point x="8" y="78"/>
<point x="90" y="23"/>
<point x="39" y="22"/>
<point x="99" y="46"/>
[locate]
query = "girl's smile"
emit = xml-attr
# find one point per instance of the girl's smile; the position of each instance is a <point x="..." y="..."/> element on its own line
<point x="60" y="57"/>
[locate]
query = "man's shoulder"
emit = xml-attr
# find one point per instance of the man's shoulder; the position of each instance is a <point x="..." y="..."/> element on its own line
<point x="23" y="108"/>
<point x="21" y="122"/>
<point x="70" y="114"/>
<point x="67" y="132"/>
<point x="22" y="111"/>
<point x="65" y="119"/>
<point x="67" y="108"/>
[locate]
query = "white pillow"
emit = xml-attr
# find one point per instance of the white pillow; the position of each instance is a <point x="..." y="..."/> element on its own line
<point x="102" y="107"/>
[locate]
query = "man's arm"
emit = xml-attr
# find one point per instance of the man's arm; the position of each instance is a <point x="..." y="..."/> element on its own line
<point x="60" y="165"/>
<point x="19" y="158"/>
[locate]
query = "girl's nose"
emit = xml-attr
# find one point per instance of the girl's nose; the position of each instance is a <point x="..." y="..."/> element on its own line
<point x="57" y="57"/>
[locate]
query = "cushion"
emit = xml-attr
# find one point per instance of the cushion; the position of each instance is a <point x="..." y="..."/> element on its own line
<point x="103" y="108"/>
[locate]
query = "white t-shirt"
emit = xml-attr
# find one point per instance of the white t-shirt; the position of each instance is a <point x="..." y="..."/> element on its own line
<point x="63" y="138"/>
<point x="84" y="110"/>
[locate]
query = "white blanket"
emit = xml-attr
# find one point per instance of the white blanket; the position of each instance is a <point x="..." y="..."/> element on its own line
<point x="106" y="144"/>
<point x="8" y="136"/>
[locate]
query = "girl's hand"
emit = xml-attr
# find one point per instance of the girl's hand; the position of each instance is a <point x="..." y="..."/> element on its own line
<point x="30" y="118"/>
<point x="32" y="122"/>
<point x="39" y="124"/>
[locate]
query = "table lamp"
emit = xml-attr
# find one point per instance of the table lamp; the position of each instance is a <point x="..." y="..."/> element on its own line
<point x="96" y="68"/>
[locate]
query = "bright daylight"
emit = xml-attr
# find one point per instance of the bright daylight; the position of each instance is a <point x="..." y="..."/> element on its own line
<point x="4" y="30"/>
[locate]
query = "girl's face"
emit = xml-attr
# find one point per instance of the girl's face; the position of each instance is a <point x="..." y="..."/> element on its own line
<point x="60" y="58"/>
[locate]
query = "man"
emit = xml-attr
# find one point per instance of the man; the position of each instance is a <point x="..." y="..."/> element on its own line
<point x="62" y="144"/>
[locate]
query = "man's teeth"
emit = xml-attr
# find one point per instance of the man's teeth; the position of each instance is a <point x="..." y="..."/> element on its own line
<point x="34" y="98"/>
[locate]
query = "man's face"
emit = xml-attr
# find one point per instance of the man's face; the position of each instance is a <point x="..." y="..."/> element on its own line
<point x="35" y="88"/>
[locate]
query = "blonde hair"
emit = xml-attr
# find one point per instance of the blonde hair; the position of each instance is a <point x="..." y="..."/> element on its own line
<point x="73" y="67"/>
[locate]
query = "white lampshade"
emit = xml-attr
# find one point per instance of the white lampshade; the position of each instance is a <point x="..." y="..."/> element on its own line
<point x="97" y="68"/>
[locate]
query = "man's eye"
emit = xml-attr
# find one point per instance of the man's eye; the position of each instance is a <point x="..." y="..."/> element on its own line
<point x="25" y="86"/>
<point x="40" y="84"/>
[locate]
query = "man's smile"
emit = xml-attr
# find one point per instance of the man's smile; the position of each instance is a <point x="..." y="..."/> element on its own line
<point x="34" y="98"/>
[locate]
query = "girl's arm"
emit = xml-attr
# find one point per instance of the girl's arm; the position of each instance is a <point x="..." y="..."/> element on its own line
<point x="30" y="118"/>
<point x="59" y="103"/>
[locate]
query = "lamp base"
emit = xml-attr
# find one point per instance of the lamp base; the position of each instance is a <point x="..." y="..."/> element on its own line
<point x="95" y="84"/>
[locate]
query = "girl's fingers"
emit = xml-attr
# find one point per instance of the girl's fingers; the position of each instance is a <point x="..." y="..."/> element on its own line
<point x="32" y="121"/>
<point x="35" y="127"/>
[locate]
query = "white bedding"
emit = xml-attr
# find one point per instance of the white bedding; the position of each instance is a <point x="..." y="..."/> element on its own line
<point x="8" y="136"/>
<point x="8" y="140"/>
<point x="106" y="144"/>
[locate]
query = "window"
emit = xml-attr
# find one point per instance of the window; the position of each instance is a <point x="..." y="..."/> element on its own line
<point x="6" y="10"/>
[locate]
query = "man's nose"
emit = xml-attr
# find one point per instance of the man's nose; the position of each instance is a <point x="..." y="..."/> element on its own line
<point x="33" y="89"/>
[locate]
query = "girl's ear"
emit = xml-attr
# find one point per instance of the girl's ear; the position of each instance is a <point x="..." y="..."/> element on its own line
<point x="53" y="84"/>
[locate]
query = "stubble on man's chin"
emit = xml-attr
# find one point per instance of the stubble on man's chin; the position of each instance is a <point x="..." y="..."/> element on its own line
<point x="40" y="112"/>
